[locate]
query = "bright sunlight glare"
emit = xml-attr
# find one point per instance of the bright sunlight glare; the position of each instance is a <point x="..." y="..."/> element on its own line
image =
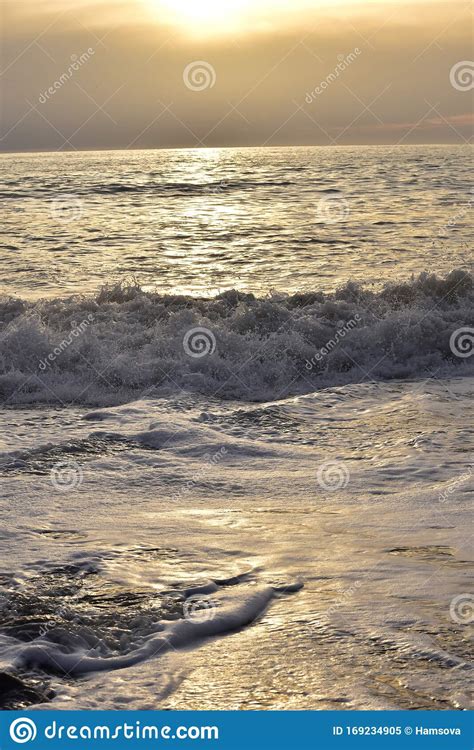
<point x="212" y="16"/>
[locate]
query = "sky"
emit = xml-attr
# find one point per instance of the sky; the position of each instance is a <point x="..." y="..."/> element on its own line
<point x="110" y="74"/>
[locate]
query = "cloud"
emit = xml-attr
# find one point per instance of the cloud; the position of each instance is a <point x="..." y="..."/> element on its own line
<point x="424" y="124"/>
<point x="130" y="92"/>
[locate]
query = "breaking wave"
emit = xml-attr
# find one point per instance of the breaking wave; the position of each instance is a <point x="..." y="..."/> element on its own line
<point x="125" y="343"/>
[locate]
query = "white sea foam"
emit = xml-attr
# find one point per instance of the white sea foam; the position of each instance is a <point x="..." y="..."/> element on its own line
<point x="134" y="342"/>
<point x="228" y="611"/>
<point x="107" y="573"/>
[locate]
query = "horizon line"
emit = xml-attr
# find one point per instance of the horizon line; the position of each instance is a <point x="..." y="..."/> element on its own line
<point x="221" y="148"/>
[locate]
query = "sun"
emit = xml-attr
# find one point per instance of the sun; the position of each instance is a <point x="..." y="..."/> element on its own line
<point x="205" y="16"/>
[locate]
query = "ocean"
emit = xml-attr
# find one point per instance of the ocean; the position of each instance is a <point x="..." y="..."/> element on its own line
<point x="202" y="221"/>
<point x="236" y="436"/>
